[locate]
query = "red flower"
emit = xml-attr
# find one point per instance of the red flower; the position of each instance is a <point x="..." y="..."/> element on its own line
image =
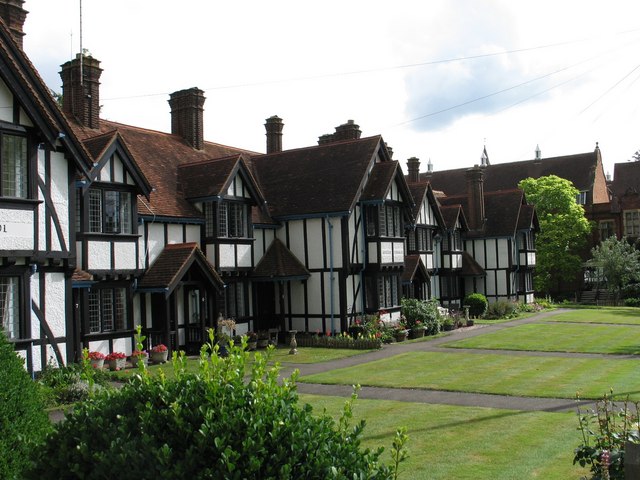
<point x="139" y="353"/>
<point x="328" y="333"/>
<point x="159" y="348"/>
<point x="116" y="356"/>
<point x="96" y="356"/>
<point x="357" y="321"/>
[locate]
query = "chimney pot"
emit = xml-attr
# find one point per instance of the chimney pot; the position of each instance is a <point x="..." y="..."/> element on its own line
<point x="14" y="16"/>
<point x="81" y="96"/>
<point x="274" y="128"/>
<point x="187" y="116"/>
<point x="413" y="167"/>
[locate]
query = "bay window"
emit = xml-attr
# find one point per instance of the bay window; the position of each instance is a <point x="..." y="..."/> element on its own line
<point x="107" y="310"/>
<point x="13" y="166"/>
<point x="110" y="211"/>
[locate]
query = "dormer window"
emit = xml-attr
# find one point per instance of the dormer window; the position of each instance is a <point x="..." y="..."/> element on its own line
<point x="13" y="166"/>
<point x="581" y="198"/>
<point x="110" y="211"/>
<point x="232" y="220"/>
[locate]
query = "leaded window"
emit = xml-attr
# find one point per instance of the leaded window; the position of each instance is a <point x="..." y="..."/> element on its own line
<point x="110" y="211"/>
<point x="234" y="301"/>
<point x="10" y="306"/>
<point x="632" y="223"/>
<point x="13" y="166"/>
<point x="107" y="310"/>
<point x="388" y="291"/>
<point x="232" y="220"/>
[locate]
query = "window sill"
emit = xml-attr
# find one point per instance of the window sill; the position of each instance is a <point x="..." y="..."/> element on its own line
<point x="19" y="203"/>
<point x="110" y="236"/>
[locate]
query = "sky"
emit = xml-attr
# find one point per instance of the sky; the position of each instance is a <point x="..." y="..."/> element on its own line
<point x="438" y="79"/>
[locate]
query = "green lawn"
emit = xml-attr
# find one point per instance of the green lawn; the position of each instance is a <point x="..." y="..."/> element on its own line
<point x="619" y="315"/>
<point x="559" y="337"/>
<point x="551" y="377"/>
<point x="463" y="443"/>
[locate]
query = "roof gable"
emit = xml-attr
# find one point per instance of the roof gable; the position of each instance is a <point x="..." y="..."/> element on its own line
<point x="278" y="263"/>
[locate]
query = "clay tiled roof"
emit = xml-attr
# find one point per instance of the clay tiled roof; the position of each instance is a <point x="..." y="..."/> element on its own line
<point x="413" y="266"/>
<point x="452" y="213"/>
<point x="580" y="169"/>
<point x="81" y="276"/>
<point x="379" y="181"/>
<point x="172" y="264"/>
<point x="316" y="180"/>
<point x="158" y="155"/>
<point x="279" y="263"/>
<point x="20" y="74"/>
<point x="626" y="178"/>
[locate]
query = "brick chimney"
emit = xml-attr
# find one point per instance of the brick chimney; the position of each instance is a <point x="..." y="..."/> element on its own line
<point x="81" y="96"/>
<point x="187" y="116"/>
<point x="274" y="128"/>
<point x="346" y="131"/>
<point x="14" y="16"/>
<point x="475" y="193"/>
<point x="413" y="167"/>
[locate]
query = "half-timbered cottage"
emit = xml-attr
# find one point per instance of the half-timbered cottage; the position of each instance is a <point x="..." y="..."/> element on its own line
<point x="39" y="159"/>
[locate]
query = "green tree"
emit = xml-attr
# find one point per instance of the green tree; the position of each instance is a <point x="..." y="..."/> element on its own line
<point x="23" y="421"/>
<point x="619" y="263"/>
<point x="563" y="231"/>
<point x="228" y="420"/>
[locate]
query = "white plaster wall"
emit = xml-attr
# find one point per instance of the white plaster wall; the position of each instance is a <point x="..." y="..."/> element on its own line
<point x="99" y="254"/>
<point x="35" y="355"/>
<point x="55" y="303"/>
<point x="35" y="297"/>
<point x="314" y="289"/>
<point x="210" y="255"/>
<point x="125" y="255"/>
<point x="503" y="252"/>
<point x="386" y="252"/>
<point x="296" y="239"/>
<point x="118" y="169"/>
<point x="16" y="230"/>
<point x="315" y="325"/>
<point x="372" y="249"/>
<point x="298" y="324"/>
<point x="314" y="237"/>
<point x="24" y="119"/>
<point x="398" y="252"/>
<point x="60" y="198"/>
<point x="122" y="345"/>
<point x="491" y="281"/>
<point x="244" y="255"/>
<point x="297" y="297"/>
<point x="100" y="346"/>
<point x="492" y="261"/>
<point x="51" y="354"/>
<point x="137" y="313"/>
<point x="155" y="243"/>
<point x="105" y="172"/>
<point x="502" y="277"/>
<point x="227" y="255"/>
<point x="6" y="103"/>
<point x="193" y="234"/>
<point x="79" y="252"/>
<point x="174" y="234"/>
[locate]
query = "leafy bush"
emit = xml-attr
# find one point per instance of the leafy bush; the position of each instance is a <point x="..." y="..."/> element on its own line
<point x="632" y="302"/>
<point x="477" y="304"/>
<point x="604" y="433"/>
<point x="423" y="311"/>
<point x="23" y="421"/>
<point x="502" y="309"/>
<point x="222" y="422"/>
<point x="69" y="384"/>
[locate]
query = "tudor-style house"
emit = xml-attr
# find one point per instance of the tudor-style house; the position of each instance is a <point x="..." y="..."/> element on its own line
<point x="39" y="160"/>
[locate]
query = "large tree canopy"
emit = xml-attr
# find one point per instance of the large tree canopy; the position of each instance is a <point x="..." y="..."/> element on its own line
<point x="619" y="262"/>
<point x="563" y="230"/>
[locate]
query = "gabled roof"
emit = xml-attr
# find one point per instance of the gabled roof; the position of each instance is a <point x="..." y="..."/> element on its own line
<point x="626" y="179"/>
<point x="279" y="264"/>
<point x="471" y="268"/>
<point x="318" y="180"/>
<point x="421" y="191"/>
<point x="102" y="147"/>
<point x="413" y="266"/>
<point x="36" y="100"/>
<point x="452" y="214"/>
<point x="580" y="169"/>
<point x="158" y="155"/>
<point x="172" y="264"/>
<point x="212" y="178"/>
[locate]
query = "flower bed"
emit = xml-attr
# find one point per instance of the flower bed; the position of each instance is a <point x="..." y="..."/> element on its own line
<point x="338" y="341"/>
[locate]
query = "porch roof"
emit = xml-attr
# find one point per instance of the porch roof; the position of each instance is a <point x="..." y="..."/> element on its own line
<point x="471" y="268"/>
<point x="172" y="265"/>
<point x="279" y="264"/>
<point x="414" y="266"/>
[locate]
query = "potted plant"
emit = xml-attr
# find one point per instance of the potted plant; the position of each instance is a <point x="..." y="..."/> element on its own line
<point x="400" y="332"/>
<point x="263" y="339"/>
<point x="97" y="359"/>
<point x="252" y="340"/>
<point x="139" y="356"/>
<point x="417" y="329"/>
<point x="159" y="353"/>
<point x="116" y="361"/>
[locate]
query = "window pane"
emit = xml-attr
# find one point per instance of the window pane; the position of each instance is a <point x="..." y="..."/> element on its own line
<point x="95" y="211"/>
<point x="106" y="297"/>
<point x="14" y="166"/>
<point x="382" y="220"/>
<point x="9" y="306"/>
<point x="94" y="312"/>
<point x="371" y="221"/>
<point x="78" y="210"/>
<point x="222" y="220"/>
<point x="120" y="308"/>
<point x="111" y="212"/>
<point x="208" y="219"/>
<point x="125" y="212"/>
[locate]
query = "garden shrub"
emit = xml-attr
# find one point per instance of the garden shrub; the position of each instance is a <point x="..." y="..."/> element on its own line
<point x="63" y="385"/>
<point x="221" y="422"/>
<point x="23" y="420"/>
<point x="632" y="302"/>
<point x="604" y="433"/>
<point x="502" y="309"/>
<point x="421" y="313"/>
<point x="477" y="304"/>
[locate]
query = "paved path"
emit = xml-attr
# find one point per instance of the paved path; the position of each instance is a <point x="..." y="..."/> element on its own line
<point x="445" y="397"/>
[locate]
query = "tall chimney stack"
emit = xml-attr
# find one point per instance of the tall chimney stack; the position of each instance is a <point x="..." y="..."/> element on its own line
<point x="413" y="167"/>
<point x="187" y="116"/>
<point x="14" y="16"/>
<point x="475" y="193"/>
<point x="274" y="128"/>
<point x="81" y="96"/>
